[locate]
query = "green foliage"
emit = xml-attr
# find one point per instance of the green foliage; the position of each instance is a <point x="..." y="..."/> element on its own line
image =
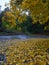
<point x="28" y="26"/>
<point x="46" y="28"/>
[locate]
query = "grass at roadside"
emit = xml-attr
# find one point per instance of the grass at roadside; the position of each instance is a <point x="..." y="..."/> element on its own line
<point x="25" y="52"/>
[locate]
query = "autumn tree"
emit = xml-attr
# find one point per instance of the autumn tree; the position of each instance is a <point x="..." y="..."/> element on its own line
<point x="8" y="21"/>
<point x="17" y="11"/>
<point x="39" y="9"/>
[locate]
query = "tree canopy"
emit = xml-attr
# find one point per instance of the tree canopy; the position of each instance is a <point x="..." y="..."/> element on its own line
<point x="38" y="9"/>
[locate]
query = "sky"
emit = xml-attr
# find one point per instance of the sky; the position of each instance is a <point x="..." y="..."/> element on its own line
<point x="2" y="3"/>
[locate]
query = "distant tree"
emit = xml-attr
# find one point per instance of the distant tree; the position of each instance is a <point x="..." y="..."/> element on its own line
<point x="6" y="9"/>
<point x="1" y="14"/>
<point x="0" y="21"/>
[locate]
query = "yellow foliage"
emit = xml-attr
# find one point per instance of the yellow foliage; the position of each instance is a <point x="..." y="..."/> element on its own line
<point x="25" y="53"/>
<point x="10" y="19"/>
<point x="38" y="8"/>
